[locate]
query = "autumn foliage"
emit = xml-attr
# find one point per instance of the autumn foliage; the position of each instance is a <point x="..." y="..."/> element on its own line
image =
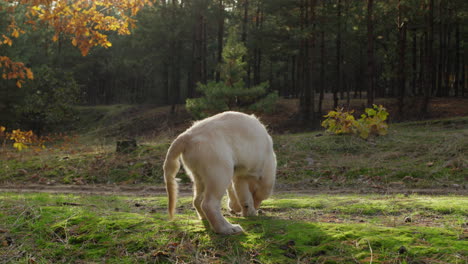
<point x="85" y="23"/>
<point x="372" y="122"/>
<point x="22" y="139"/>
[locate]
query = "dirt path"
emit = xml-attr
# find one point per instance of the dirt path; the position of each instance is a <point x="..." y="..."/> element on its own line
<point x="186" y="190"/>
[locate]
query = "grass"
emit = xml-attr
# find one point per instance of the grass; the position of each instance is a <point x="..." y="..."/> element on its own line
<point x="426" y="154"/>
<point x="413" y="154"/>
<point x="293" y="228"/>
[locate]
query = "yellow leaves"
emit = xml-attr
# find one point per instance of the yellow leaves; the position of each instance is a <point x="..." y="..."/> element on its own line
<point x="55" y="38"/>
<point x="74" y="42"/>
<point x="15" y="33"/>
<point x="28" y="140"/>
<point x="18" y="84"/>
<point x="19" y="146"/>
<point x="23" y="139"/>
<point x="36" y="8"/>
<point x="6" y="40"/>
<point x="371" y="123"/>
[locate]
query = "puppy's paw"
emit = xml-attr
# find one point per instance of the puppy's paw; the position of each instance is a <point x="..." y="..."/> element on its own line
<point x="231" y="230"/>
<point x="250" y="212"/>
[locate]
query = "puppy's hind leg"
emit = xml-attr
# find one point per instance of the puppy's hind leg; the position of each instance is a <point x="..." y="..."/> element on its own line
<point x="198" y="190"/>
<point x="217" y="180"/>
<point x="233" y="202"/>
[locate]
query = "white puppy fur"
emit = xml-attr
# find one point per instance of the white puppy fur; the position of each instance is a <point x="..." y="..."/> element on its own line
<point x="229" y="151"/>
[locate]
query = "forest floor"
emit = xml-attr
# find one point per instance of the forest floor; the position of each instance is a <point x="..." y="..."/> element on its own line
<point x="399" y="198"/>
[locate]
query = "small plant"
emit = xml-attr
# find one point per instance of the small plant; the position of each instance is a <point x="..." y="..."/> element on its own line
<point x="339" y="122"/>
<point x="22" y="139"/>
<point x="373" y="122"/>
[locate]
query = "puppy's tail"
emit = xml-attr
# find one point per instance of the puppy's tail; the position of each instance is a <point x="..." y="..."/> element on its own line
<point x="171" y="167"/>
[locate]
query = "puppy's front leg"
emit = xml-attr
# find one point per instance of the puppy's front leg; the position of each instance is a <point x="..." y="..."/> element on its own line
<point x="211" y="205"/>
<point x="244" y="197"/>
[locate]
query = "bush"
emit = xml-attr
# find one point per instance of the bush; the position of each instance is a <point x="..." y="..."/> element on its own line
<point x="48" y="100"/>
<point x="373" y="122"/>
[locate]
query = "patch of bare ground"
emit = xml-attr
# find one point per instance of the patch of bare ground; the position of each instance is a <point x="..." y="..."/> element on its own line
<point x="97" y="189"/>
<point x="186" y="190"/>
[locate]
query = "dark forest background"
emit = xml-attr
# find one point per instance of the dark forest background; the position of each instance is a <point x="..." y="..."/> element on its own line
<point x="407" y="49"/>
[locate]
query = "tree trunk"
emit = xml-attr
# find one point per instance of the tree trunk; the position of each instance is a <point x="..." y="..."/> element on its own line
<point x="322" y="70"/>
<point x="429" y="80"/>
<point x="345" y="84"/>
<point x="305" y="107"/>
<point x="338" y="57"/>
<point x="197" y="51"/>
<point x="422" y="57"/>
<point x="258" y="50"/>
<point x="174" y="43"/>
<point x="245" y="23"/>
<point x="456" y="84"/>
<point x="310" y="70"/>
<point x="220" y="38"/>
<point x="440" y="65"/>
<point x="414" y="64"/>
<point x="401" y="60"/>
<point x="204" y="49"/>
<point x="447" y="67"/>
<point x="370" y="53"/>
<point x="165" y="83"/>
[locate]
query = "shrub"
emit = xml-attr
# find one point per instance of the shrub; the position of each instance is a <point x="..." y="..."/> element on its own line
<point x="48" y="100"/>
<point x="373" y="122"/>
<point x="22" y="139"/>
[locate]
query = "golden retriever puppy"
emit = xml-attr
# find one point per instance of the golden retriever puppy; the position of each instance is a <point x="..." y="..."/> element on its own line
<point x="229" y="151"/>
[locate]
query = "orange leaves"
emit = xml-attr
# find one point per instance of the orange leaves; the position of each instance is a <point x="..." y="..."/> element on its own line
<point x="22" y="139"/>
<point x="28" y="140"/>
<point x="15" y="33"/>
<point x="29" y="74"/>
<point x="12" y="70"/>
<point x="87" y="22"/>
